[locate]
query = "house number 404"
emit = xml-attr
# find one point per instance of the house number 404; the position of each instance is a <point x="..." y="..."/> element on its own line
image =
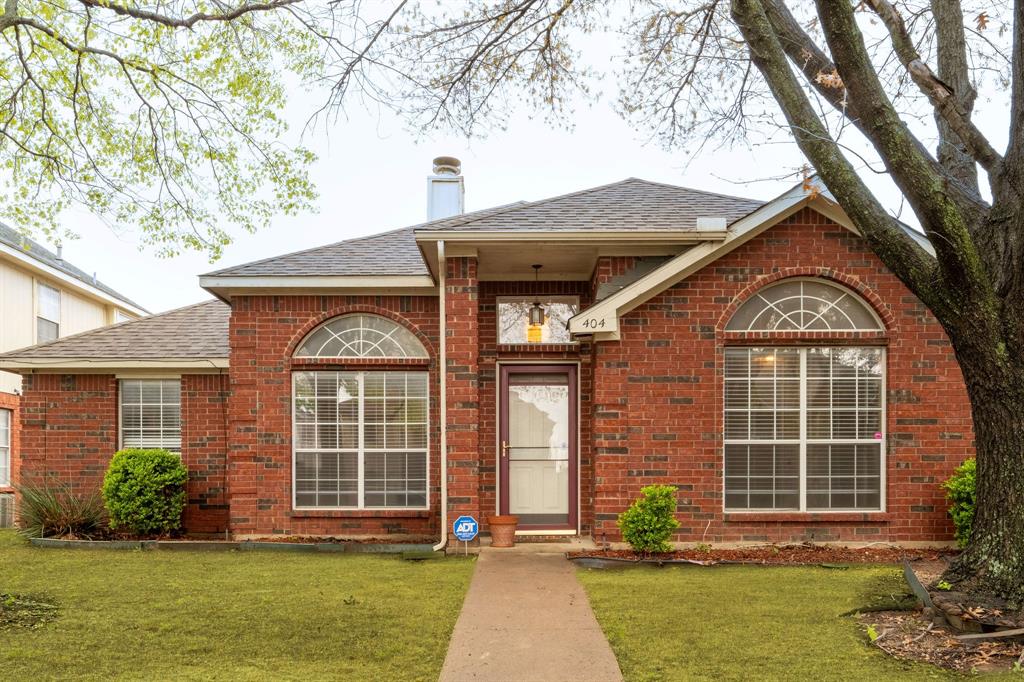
<point x="593" y="323"/>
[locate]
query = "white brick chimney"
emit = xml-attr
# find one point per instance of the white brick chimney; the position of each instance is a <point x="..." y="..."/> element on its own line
<point x="446" y="191"/>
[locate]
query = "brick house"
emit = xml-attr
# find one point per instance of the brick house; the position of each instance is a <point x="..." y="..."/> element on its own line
<point x="544" y="359"/>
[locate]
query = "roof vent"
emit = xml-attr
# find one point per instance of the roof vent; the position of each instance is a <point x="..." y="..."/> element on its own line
<point x="712" y="224"/>
<point x="60" y="251"/>
<point x="446" y="191"/>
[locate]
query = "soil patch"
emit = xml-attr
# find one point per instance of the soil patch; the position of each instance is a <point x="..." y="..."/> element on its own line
<point x="25" y="611"/>
<point x="798" y="555"/>
<point x="907" y="635"/>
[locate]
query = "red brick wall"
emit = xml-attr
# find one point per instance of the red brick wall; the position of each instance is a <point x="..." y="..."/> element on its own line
<point x="264" y="332"/>
<point x="69" y="433"/>
<point x="10" y="401"/>
<point x="658" y="396"/>
<point x="462" y="348"/>
<point x="491" y="353"/>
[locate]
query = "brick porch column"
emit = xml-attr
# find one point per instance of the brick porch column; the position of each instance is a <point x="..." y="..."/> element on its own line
<point x="463" y="388"/>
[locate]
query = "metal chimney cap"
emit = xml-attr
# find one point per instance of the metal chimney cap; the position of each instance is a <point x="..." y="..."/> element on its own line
<point x="447" y="165"/>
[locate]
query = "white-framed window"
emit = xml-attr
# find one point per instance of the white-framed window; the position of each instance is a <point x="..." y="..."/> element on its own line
<point x="360" y="439"/>
<point x="47" y="313"/>
<point x="150" y="414"/>
<point x="514" y="323"/>
<point x="804" y="305"/>
<point x="805" y="429"/>
<point x="5" y="447"/>
<point x="361" y="336"/>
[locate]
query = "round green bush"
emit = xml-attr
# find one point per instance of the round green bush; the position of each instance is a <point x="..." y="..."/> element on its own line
<point x="960" y="493"/>
<point x="650" y="520"/>
<point x="144" y="491"/>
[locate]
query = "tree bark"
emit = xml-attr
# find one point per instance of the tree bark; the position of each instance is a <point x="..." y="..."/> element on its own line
<point x="993" y="561"/>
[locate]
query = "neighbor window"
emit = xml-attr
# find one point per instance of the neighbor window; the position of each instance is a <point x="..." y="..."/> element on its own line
<point x="803" y="428"/>
<point x="47" y="313"/>
<point x="360" y="439"/>
<point x="517" y="326"/>
<point x="121" y="316"/>
<point x="5" y="447"/>
<point x="151" y="414"/>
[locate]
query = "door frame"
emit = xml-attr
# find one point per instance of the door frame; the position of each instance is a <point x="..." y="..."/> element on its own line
<point x="505" y="369"/>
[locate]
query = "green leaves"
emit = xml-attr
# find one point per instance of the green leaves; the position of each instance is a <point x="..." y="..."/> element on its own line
<point x="961" y="495"/>
<point x="144" y="491"/>
<point x="175" y="133"/>
<point x="650" y="520"/>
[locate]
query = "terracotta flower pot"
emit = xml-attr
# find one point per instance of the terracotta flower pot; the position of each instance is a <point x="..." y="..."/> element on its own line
<point x="503" y="530"/>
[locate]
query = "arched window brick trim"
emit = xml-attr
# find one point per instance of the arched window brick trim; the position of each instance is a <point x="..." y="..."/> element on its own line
<point x="340" y="311"/>
<point x="867" y="295"/>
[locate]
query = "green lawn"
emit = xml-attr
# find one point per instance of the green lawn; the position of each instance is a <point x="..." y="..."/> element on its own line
<point x="230" y="615"/>
<point x="744" y="622"/>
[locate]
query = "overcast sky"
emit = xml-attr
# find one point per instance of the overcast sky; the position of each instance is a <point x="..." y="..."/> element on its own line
<point x="371" y="177"/>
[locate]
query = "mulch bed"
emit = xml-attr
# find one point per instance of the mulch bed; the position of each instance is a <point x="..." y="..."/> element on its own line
<point x="320" y="540"/>
<point x="797" y="555"/>
<point x="907" y="635"/>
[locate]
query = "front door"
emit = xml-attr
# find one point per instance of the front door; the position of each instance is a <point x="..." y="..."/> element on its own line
<point x="538" y="445"/>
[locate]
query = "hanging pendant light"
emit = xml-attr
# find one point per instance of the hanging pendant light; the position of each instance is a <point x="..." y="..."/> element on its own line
<point x="537" y="316"/>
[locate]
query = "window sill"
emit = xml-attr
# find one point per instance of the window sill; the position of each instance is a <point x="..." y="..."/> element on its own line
<point x="807" y="517"/>
<point x="360" y="513"/>
<point x="537" y="347"/>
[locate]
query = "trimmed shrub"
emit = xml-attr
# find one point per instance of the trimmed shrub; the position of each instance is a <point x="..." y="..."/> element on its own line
<point x="144" y="491"/>
<point x="650" y="520"/>
<point x="960" y="493"/>
<point x="55" y="511"/>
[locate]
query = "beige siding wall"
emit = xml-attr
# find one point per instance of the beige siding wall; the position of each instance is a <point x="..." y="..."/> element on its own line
<point x="78" y="313"/>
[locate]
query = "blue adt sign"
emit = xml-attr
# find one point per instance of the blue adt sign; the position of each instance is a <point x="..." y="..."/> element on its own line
<point x="465" y="528"/>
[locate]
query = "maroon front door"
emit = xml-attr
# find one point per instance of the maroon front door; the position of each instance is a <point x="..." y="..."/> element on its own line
<point x="538" y="448"/>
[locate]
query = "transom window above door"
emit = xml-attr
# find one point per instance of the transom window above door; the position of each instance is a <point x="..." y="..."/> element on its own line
<point x="539" y="319"/>
<point x="361" y="336"/>
<point x="804" y="305"/>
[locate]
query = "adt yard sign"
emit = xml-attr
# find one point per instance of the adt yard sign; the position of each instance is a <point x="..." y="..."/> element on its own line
<point x="465" y="528"/>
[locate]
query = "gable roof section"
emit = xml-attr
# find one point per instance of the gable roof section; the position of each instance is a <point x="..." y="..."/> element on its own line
<point x="602" y="319"/>
<point x="193" y="336"/>
<point x="629" y="205"/>
<point x="17" y="244"/>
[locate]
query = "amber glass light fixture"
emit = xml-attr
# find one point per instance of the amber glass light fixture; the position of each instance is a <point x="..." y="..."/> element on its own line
<point x="535" y="323"/>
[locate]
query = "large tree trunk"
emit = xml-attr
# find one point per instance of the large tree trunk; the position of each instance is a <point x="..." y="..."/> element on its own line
<point x="993" y="562"/>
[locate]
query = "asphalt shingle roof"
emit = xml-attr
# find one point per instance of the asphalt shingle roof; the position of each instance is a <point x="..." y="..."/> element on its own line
<point x="631" y="204"/>
<point x="193" y="332"/>
<point x="37" y="251"/>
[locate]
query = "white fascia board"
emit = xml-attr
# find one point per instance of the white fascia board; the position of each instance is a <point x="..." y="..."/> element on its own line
<point x="602" y="319"/>
<point x="78" y="285"/>
<point x="585" y="236"/>
<point x="283" y="282"/>
<point x="30" y="365"/>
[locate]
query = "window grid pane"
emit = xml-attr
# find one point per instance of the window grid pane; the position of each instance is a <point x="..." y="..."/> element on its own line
<point x="836" y="450"/>
<point x="803" y="305"/>
<point x="361" y="336"/>
<point x="360" y="426"/>
<point x="151" y="414"/>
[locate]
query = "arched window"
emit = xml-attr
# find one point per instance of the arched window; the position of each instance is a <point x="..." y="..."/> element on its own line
<point x="804" y="305"/>
<point x="804" y="425"/>
<point x="361" y="336"/>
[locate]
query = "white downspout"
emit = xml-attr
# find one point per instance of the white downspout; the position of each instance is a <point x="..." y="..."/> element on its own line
<point x="442" y="268"/>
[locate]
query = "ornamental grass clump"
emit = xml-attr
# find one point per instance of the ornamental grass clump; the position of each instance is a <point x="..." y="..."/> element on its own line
<point x="53" y="510"/>
<point x="144" y="491"/>
<point x="961" y="495"/>
<point x="650" y="520"/>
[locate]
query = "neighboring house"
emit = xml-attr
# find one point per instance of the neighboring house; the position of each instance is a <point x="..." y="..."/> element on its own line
<point x="756" y="355"/>
<point x="42" y="298"/>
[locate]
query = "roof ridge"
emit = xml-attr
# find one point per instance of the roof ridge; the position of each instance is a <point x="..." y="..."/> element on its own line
<point x="110" y="327"/>
<point x="698" y="191"/>
<point x="539" y="202"/>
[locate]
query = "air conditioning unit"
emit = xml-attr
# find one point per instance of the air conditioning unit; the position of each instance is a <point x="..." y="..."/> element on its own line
<point x="7" y="511"/>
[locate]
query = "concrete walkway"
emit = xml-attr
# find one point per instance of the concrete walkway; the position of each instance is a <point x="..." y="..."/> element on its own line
<point x="526" y="617"/>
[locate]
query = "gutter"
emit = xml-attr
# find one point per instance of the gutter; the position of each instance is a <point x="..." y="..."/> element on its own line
<point x="442" y="275"/>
